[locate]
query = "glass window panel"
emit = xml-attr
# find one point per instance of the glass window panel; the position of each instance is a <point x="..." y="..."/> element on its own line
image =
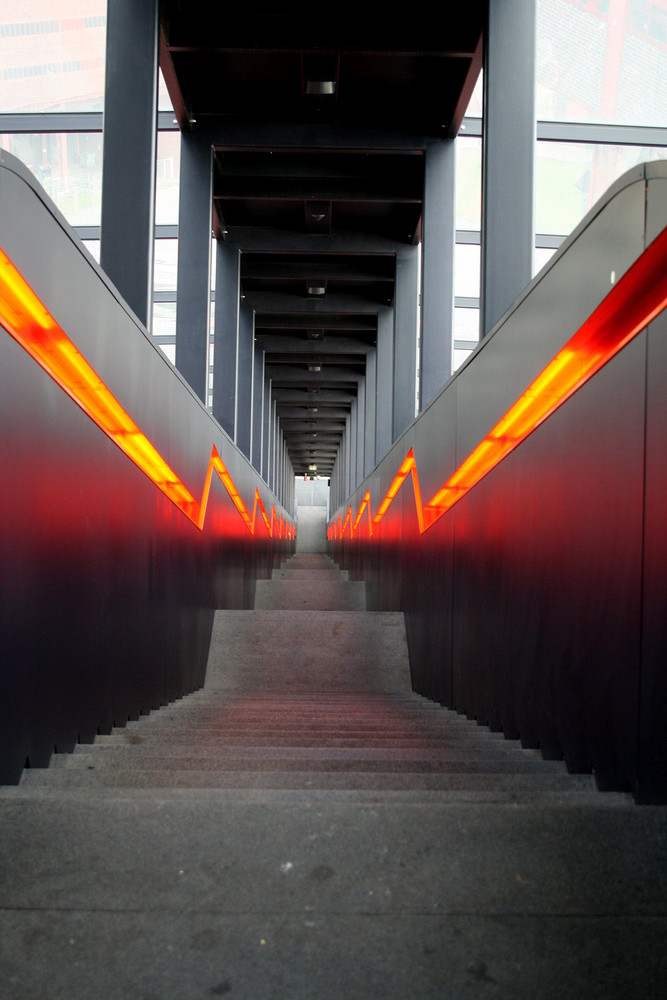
<point x="167" y="178"/>
<point x="542" y="256"/>
<point x="169" y="351"/>
<point x="69" y="168"/>
<point x="93" y="247"/>
<point x="601" y="62"/>
<point x="164" y="319"/>
<point x="458" y="357"/>
<point x="466" y="270"/>
<point x="570" y="179"/>
<point x="165" y="265"/>
<point x="466" y="324"/>
<point x="468" y="182"/>
<point x="163" y="98"/>
<point x="474" y="109"/>
<point x="52" y="55"/>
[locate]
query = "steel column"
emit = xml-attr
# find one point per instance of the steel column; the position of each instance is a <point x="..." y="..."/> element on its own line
<point x="194" y="263"/>
<point x="438" y="239"/>
<point x="405" y="338"/>
<point x="354" y="431"/>
<point x="266" y="429"/>
<point x="257" y="401"/>
<point x="385" y="383"/>
<point x="508" y="151"/>
<point x="227" y="268"/>
<point x="244" y="374"/>
<point x="129" y="154"/>
<point x="348" y="457"/>
<point x="369" y="414"/>
<point x="361" y="431"/>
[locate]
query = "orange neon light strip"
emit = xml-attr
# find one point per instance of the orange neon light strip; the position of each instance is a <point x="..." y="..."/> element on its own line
<point x="27" y="320"/>
<point x="639" y="296"/>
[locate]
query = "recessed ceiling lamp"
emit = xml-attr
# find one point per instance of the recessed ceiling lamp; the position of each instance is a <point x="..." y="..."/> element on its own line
<point x="321" y="88"/>
<point x="314" y="368"/>
<point x="316" y="288"/>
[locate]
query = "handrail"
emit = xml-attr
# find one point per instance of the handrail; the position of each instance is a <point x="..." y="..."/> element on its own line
<point x="638" y="297"/>
<point x="28" y="320"/>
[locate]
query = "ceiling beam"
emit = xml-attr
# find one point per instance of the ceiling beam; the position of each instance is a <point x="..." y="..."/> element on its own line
<point x="279" y="344"/>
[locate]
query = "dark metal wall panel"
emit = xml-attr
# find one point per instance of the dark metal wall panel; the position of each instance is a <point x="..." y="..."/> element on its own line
<point x="547" y="580"/>
<point x="653" y="706"/>
<point x="107" y="590"/>
<point x="427" y="563"/>
<point x="536" y="604"/>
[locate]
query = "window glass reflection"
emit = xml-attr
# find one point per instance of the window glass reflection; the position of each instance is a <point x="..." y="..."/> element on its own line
<point x="468" y="183"/>
<point x="570" y="178"/>
<point x="52" y="55"/>
<point x="165" y="263"/>
<point x="466" y="270"/>
<point x="68" y="166"/>
<point x="602" y="61"/>
<point x="167" y="178"/>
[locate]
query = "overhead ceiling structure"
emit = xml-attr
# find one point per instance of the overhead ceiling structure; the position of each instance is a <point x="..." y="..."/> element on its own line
<point x="319" y="121"/>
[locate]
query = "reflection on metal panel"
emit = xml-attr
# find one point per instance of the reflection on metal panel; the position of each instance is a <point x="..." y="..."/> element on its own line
<point x="632" y="304"/>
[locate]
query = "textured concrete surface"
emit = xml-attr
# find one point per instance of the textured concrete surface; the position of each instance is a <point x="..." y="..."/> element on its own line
<point x="306" y="895"/>
<point x="305" y="827"/>
<point x="311" y="529"/>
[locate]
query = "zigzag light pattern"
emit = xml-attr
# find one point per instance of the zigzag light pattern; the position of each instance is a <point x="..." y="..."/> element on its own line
<point x="25" y="317"/>
<point x="639" y="296"/>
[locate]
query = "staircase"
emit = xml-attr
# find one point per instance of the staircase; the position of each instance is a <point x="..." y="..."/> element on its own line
<point x="310" y="691"/>
<point x="307" y="827"/>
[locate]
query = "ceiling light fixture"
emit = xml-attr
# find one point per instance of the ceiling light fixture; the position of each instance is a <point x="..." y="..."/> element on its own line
<point x="321" y="88"/>
<point x="316" y="288"/>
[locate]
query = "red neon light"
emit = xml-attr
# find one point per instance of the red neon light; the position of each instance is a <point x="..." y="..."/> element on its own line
<point x="30" y="323"/>
<point x="630" y="306"/>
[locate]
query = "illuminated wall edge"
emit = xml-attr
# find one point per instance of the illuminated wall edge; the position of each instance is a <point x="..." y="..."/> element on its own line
<point x="638" y="297"/>
<point x="26" y="319"/>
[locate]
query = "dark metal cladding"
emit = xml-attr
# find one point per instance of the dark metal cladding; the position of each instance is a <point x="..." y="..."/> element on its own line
<point x="107" y="590"/>
<point x="536" y="604"/>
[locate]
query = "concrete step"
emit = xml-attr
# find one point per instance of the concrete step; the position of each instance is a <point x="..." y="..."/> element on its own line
<point x="288" y="572"/>
<point x="316" y="594"/>
<point x="310" y="560"/>
<point x="312" y="737"/>
<point x="499" y="782"/>
<point x="120" y="755"/>
<point x="306" y="652"/>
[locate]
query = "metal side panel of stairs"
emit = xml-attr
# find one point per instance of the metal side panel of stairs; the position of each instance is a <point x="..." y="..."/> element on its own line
<point x="307" y="827"/>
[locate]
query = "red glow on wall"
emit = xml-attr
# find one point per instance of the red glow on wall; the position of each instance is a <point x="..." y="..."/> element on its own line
<point x="25" y="317"/>
<point x="639" y="296"/>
